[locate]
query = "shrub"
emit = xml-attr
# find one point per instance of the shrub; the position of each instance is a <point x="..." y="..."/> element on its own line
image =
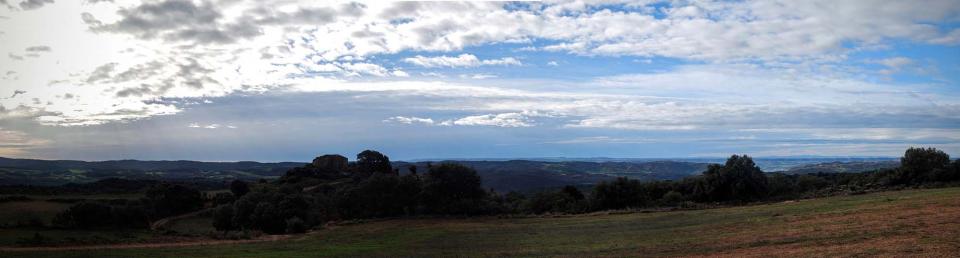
<point x="296" y="225"/>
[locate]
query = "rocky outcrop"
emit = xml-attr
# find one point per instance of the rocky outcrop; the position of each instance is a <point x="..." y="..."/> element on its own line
<point x="331" y="162"/>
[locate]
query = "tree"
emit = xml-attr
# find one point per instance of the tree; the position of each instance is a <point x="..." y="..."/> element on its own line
<point x="452" y="189"/>
<point x="85" y="215"/>
<point x="223" y="198"/>
<point x="370" y="161"/>
<point x="739" y="179"/>
<point x="619" y="194"/>
<point x="239" y="188"/>
<point x="266" y="218"/>
<point x="573" y="192"/>
<point x="569" y="199"/>
<point x="223" y="218"/>
<point x="920" y="165"/>
<point x="171" y="199"/>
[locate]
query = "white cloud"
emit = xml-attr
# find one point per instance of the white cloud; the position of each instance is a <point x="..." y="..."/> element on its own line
<point x="478" y="76"/>
<point x="187" y="49"/>
<point x="211" y="126"/>
<point x="409" y="120"/>
<point x="553" y="63"/>
<point x="463" y="60"/>
<point x="498" y="120"/>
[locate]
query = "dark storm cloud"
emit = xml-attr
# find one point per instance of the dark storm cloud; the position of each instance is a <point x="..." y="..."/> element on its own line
<point x="34" y="4"/>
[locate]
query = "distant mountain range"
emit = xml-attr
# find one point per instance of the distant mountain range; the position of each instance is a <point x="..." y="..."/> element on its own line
<point x="55" y="172"/>
<point x="502" y="175"/>
<point x="843" y="167"/>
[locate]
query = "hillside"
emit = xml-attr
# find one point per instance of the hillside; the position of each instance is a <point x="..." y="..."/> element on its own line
<point x="525" y="175"/>
<point x="842" y="167"/>
<point x="513" y="175"/>
<point x="502" y="175"/>
<point x="57" y="172"/>
<point x="900" y="223"/>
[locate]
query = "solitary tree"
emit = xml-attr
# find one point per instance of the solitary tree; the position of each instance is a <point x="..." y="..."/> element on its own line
<point x="921" y="164"/>
<point x="738" y="179"/>
<point x="370" y="161"/>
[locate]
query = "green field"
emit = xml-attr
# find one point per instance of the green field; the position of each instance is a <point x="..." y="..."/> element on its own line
<point x="903" y="223"/>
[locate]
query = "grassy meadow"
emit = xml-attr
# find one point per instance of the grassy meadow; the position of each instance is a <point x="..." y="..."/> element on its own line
<point x="901" y="223"/>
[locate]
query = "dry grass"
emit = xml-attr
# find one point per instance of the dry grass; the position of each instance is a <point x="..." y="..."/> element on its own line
<point x="893" y="224"/>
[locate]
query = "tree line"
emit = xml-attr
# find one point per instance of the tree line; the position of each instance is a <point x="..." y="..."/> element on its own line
<point x="333" y="189"/>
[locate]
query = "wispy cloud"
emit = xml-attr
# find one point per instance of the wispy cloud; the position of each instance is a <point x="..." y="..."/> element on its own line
<point x="463" y="60"/>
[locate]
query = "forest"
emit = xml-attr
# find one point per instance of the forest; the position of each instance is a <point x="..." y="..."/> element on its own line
<point x="333" y="189"/>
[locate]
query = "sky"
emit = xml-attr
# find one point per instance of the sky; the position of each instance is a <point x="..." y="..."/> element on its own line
<point x="284" y="80"/>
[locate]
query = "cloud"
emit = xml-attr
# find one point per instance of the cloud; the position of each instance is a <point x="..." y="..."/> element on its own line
<point x="38" y="49"/>
<point x="139" y="55"/>
<point x="33" y="4"/>
<point x="17" y="92"/>
<point x="409" y="120"/>
<point x="177" y="20"/>
<point x="210" y="126"/>
<point x="894" y="64"/>
<point x="463" y="60"/>
<point x="498" y="120"/>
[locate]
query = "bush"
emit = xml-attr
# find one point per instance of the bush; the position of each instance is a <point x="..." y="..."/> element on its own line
<point x="296" y="225"/>
<point x="223" y="218"/>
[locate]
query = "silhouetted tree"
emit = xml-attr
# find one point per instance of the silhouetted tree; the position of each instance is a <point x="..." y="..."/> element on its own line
<point x="370" y="161"/>
<point x="452" y="189"/>
<point x="573" y="192"/>
<point x="920" y="165"/>
<point x="223" y="218"/>
<point x="223" y="198"/>
<point x="239" y="188"/>
<point x="738" y="179"/>
<point x="618" y="194"/>
<point x="168" y="199"/>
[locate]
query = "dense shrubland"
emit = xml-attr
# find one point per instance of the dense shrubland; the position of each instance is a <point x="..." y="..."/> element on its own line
<point x="333" y="189"/>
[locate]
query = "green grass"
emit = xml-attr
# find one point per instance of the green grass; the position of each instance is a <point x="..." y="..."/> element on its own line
<point x="913" y="222"/>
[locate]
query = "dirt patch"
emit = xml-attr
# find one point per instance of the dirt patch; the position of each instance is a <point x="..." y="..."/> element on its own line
<point x="913" y="228"/>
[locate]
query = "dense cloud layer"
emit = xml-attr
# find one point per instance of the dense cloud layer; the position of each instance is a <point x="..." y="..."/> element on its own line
<point x="716" y="65"/>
